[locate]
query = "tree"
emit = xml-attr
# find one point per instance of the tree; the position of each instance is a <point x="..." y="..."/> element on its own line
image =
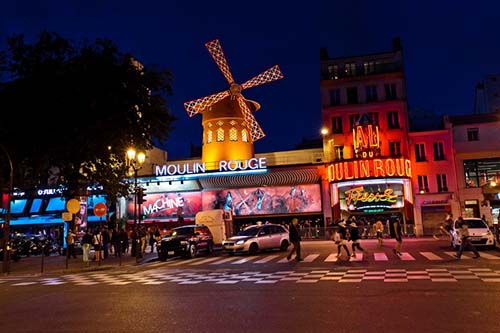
<point x="75" y="107"/>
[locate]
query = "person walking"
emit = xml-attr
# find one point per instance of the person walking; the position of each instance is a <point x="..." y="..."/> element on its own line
<point x="70" y="240"/>
<point x="397" y="235"/>
<point x="295" y="240"/>
<point x="379" y="232"/>
<point x="354" y="237"/>
<point x="86" y="244"/>
<point x="342" y="240"/>
<point x="466" y="243"/>
<point x="97" y="240"/>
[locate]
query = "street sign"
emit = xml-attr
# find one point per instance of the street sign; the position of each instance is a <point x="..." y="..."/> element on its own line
<point x="73" y="206"/>
<point x="67" y="216"/>
<point x="100" y="209"/>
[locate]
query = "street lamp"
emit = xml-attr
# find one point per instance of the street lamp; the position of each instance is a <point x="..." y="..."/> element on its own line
<point x="135" y="160"/>
<point x="6" y="226"/>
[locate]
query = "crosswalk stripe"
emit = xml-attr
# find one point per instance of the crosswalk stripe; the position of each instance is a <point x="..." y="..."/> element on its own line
<point x="311" y="257"/>
<point x="358" y="257"/>
<point x="222" y="261"/>
<point x="431" y="256"/>
<point x="452" y="254"/>
<point x="181" y="261"/>
<point x="380" y="256"/>
<point x="204" y="261"/>
<point x="266" y="259"/>
<point x="489" y="256"/>
<point x="331" y="258"/>
<point x="406" y="256"/>
<point x="243" y="260"/>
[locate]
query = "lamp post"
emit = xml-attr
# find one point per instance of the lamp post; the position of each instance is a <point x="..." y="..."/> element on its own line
<point x="134" y="162"/>
<point x="6" y="227"/>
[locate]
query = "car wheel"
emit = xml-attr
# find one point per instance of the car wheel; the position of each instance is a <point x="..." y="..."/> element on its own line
<point x="162" y="257"/>
<point x="253" y="249"/>
<point x="191" y="251"/>
<point x="210" y="248"/>
<point x="284" y="245"/>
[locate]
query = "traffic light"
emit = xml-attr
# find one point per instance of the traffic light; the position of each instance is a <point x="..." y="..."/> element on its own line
<point x="140" y="196"/>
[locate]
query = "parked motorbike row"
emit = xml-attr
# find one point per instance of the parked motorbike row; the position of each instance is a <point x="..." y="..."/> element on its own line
<point x="31" y="245"/>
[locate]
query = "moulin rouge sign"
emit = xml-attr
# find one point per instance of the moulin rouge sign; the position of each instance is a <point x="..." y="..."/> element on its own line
<point x="224" y="166"/>
<point x="367" y="145"/>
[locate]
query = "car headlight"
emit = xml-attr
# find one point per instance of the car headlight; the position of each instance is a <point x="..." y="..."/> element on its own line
<point x="487" y="233"/>
<point x="184" y="243"/>
<point x="241" y="241"/>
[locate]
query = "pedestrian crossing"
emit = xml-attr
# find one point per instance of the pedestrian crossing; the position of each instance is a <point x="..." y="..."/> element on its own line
<point x="311" y="276"/>
<point x="273" y="258"/>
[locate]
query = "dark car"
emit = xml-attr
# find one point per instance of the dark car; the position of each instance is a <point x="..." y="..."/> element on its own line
<point x="186" y="241"/>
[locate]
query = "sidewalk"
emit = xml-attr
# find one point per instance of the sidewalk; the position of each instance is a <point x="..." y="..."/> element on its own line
<point x="57" y="264"/>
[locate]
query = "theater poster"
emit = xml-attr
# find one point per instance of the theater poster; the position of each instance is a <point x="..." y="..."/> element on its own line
<point x="167" y="206"/>
<point x="265" y="200"/>
<point x="371" y="197"/>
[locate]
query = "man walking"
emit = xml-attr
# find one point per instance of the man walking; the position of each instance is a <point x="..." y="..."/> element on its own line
<point x="295" y="240"/>
<point x="466" y="243"/>
<point x="396" y="234"/>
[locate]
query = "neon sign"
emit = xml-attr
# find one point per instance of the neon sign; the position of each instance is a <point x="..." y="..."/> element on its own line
<point x="366" y="141"/>
<point x="378" y="167"/>
<point x="199" y="168"/>
<point x="359" y="194"/>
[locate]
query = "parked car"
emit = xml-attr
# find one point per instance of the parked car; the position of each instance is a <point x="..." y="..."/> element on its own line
<point x="258" y="237"/>
<point x="480" y="233"/>
<point x="186" y="241"/>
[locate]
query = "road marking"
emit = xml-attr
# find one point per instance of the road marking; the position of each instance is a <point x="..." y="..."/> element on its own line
<point x="331" y="258"/>
<point x="358" y="257"/>
<point x="311" y="257"/>
<point x="489" y="256"/>
<point x="203" y="261"/>
<point x="431" y="256"/>
<point x="453" y="254"/>
<point x="405" y="256"/>
<point x="222" y="261"/>
<point x="380" y="256"/>
<point x="266" y="259"/>
<point x="243" y="260"/>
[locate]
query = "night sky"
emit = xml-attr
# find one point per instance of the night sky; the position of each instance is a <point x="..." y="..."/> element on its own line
<point x="447" y="48"/>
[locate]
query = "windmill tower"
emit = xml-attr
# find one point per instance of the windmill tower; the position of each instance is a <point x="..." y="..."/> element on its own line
<point x="229" y="126"/>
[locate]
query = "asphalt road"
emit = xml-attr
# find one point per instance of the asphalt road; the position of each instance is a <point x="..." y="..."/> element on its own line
<point x="418" y="295"/>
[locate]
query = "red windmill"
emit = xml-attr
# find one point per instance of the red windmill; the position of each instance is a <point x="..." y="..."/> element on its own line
<point x="227" y="115"/>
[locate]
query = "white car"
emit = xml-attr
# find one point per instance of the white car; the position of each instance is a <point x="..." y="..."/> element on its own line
<point x="480" y="233"/>
<point x="258" y="237"/>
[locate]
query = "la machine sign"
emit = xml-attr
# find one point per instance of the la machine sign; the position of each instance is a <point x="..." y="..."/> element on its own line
<point x="198" y="168"/>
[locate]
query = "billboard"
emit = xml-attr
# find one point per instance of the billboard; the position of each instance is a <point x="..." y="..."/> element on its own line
<point x="371" y="197"/>
<point x="168" y="206"/>
<point x="266" y="200"/>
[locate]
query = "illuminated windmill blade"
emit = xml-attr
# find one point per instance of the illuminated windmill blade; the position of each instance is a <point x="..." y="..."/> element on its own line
<point x="199" y="105"/>
<point x="220" y="59"/>
<point x="271" y="74"/>
<point x="255" y="130"/>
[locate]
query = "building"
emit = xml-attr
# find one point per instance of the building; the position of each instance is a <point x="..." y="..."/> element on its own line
<point x="365" y="117"/>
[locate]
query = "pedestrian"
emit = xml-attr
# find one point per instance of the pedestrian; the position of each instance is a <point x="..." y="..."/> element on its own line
<point x="86" y="244"/>
<point x="444" y="227"/>
<point x="342" y="240"/>
<point x="295" y="240"/>
<point x="97" y="241"/>
<point x="466" y="244"/>
<point x="354" y="237"/>
<point x="70" y="240"/>
<point x="152" y="240"/>
<point x="379" y="232"/>
<point x="396" y="234"/>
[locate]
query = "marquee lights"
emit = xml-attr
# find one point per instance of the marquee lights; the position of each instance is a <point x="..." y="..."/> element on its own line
<point x="251" y="164"/>
<point x="366" y="140"/>
<point x="373" y="168"/>
<point x="358" y="194"/>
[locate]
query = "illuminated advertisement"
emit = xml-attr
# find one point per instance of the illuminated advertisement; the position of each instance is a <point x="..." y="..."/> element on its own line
<point x="168" y="206"/>
<point x="370" y="168"/>
<point x="371" y="197"/>
<point x="265" y="200"/>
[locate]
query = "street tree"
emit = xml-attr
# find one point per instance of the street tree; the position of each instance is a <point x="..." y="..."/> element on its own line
<point x="70" y="109"/>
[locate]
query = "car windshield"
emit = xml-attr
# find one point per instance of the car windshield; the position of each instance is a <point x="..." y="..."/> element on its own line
<point x="476" y="224"/>
<point x="182" y="231"/>
<point x="248" y="232"/>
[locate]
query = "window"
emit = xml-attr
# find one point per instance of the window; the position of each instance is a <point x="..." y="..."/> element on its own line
<point x="419" y="152"/>
<point x="333" y="72"/>
<point x="442" y="183"/>
<point x="390" y="91"/>
<point x="350" y="69"/>
<point x="244" y="135"/>
<point x="371" y="93"/>
<point x="423" y="185"/>
<point x="438" y="151"/>
<point x="369" y="67"/>
<point x="352" y="95"/>
<point x="473" y="134"/>
<point x="336" y="125"/>
<point x="334" y="97"/>
<point x="395" y="148"/>
<point x="233" y="134"/>
<point x="339" y="152"/>
<point x="210" y="135"/>
<point x="373" y="117"/>
<point x="220" y="135"/>
<point x="353" y="119"/>
<point x="392" y="119"/>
